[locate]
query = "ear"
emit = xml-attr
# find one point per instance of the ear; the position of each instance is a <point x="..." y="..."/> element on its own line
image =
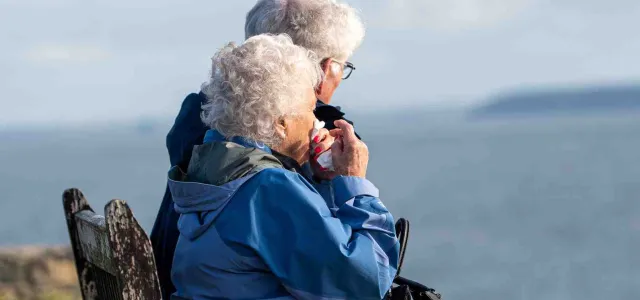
<point x="282" y="127"/>
<point x="325" y="66"/>
<point x="325" y="89"/>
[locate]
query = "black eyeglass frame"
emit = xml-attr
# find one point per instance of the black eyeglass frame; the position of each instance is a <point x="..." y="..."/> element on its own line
<point x="347" y="67"/>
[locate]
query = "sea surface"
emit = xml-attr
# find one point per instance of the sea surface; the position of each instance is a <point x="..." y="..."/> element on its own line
<point x="536" y="208"/>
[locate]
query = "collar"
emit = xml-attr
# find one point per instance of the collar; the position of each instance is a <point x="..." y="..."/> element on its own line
<point x="321" y="104"/>
<point x="288" y="162"/>
<point x="215" y="136"/>
<point x="325" y="111"/>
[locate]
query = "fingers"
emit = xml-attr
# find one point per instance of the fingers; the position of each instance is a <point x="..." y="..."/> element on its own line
<point x="348" y="133"/>
<point x="320" y="136"/>
<point x="345" y="126"/>
<point x="337" y="148"/>
<point x="336" y="132"/>
<point x="321" y="142"/>
<point x="322" y="146"/>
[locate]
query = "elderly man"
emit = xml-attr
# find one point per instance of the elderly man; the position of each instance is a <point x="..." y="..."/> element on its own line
<point x="332" y="30"/>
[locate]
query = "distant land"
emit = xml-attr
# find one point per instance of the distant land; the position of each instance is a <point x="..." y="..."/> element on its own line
<point x="579" y="100"/>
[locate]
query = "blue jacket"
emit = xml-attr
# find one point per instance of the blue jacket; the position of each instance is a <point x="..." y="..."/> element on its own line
<point x="250" y="229"/>
<point x="188" y="131"/>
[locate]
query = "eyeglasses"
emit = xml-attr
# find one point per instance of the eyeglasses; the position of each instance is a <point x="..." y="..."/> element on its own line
<point x="347" y="67"/>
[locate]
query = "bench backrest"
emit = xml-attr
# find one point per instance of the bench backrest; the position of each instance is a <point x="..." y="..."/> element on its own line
<point x="113" y="254"/>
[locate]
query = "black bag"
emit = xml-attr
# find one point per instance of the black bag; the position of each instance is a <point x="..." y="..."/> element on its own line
<point x="403" y="288"/>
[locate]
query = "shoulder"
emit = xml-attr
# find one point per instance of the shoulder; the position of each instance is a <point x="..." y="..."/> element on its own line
<point x="280" y="180"/>
<point x="274" y="188"/>
<point x="194" y="99"/>
<point x="191" y="107"/>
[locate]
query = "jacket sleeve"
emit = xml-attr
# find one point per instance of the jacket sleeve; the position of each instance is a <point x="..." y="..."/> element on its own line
<point x="353" y="255"/>
<point x="325" y="189"/>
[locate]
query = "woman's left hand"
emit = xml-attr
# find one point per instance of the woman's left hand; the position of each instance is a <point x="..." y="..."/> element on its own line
<point x="319" y="144"/>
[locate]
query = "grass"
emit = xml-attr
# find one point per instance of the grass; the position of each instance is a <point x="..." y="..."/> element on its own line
<point x="49" y="295"/>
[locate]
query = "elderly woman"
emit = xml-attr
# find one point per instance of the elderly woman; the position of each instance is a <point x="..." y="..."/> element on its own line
<point x="330" y="28"/>
<point x="250" y="228"/>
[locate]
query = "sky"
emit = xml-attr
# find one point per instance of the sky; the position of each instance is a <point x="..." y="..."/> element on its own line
<point x="91" y="61"/>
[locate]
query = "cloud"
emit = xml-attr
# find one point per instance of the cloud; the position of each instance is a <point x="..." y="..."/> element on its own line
<point x="118" y="59"/>
<point x="67" y="54"/>
<point x="448" y="15"/>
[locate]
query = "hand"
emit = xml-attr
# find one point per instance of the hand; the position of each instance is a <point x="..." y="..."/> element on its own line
<point x="350" y="155"/>
<point x="319" y="144"/>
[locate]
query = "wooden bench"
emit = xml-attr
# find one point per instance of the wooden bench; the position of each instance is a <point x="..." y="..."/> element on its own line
<point x="113" y="255"/>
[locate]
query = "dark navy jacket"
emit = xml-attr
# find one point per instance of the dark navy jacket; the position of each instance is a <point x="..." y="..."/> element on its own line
<point x="188" y="131"/>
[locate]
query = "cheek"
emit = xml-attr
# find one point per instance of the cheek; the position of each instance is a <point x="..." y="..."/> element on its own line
<point x="301" y="130"/>
<point x="304" y="130"/>
<point x="306" y="126"/>
<point x="303" y="136"/>
<point x="338" y="80"/>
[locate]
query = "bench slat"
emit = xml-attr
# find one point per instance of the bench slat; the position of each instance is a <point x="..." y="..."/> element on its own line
<point x="94" y="240"/>
<point x="113" y="254"/>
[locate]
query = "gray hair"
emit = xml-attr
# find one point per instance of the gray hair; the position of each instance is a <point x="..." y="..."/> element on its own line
<point x="255" y="84"/>
<point x="326" y="27"/>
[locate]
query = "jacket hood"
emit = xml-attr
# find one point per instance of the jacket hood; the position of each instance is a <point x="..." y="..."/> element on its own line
<point x="217" y="169"/>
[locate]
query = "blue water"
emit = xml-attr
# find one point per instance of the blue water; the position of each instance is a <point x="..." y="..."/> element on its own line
<point x="543" y="208"/>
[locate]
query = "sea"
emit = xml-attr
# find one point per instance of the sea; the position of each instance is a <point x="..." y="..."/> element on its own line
<point x="536" y="207"/>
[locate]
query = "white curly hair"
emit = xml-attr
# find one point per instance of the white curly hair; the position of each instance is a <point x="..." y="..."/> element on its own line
<point x="254" y="85"/>
<point x="326" y="27"/>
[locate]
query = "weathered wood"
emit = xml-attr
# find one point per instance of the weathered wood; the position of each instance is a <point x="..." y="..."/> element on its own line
<point x="113" y="255"/>
<point x="94" y="240"/>
<point x="132" y="253"/>
<point x="89" y="289"/>
<point x="73" y="202"/>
